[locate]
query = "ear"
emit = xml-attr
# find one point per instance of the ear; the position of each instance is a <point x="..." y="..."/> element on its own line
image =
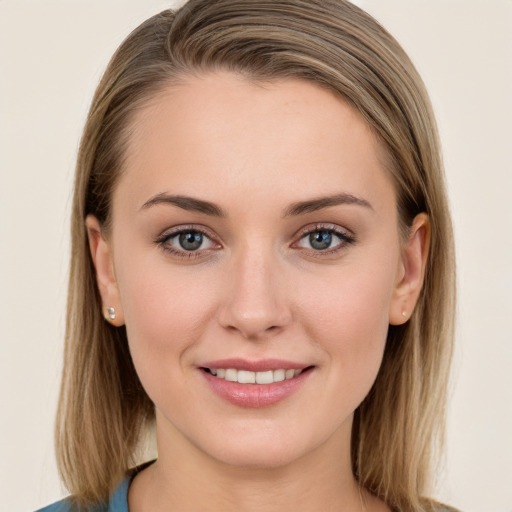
<point x="101" y="254"/>
<point x="411" y="271"/>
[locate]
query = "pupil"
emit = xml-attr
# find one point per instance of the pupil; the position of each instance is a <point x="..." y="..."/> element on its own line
<point x="320" y="240"/>
<point x="191" y="241"/>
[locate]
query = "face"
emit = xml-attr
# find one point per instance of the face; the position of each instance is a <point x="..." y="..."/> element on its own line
<point x="255" y="259"/>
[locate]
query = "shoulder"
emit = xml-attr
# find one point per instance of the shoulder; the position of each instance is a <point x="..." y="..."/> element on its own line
<point x="118" y="502"/>
<point x="67" y="505"/>
<point x="60" y="506"/>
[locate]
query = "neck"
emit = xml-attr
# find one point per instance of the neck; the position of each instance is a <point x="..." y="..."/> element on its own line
<point x="184" y="478"/>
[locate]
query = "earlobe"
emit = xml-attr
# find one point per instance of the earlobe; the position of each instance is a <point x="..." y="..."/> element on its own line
<point x="412" y="271"/>
<point x="101" y="255"/>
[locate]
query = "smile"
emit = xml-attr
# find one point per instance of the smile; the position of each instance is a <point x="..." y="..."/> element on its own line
<point x="255" y="384"/>
<point x="250" y="377"/>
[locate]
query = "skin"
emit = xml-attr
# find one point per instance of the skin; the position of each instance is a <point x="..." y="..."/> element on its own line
<point x="256" y="288"/>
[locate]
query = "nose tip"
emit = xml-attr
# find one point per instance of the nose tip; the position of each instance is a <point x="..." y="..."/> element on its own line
<point x="255" y="304"/>
<point x="253" y="325"/>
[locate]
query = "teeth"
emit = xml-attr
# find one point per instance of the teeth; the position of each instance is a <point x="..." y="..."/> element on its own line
<point x="279" y="375"/>
<point x="265" y="377"/>
<point x="247" y="377"/>
<point x="231" y="375"/>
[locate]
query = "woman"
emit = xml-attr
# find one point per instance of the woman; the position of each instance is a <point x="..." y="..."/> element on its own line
<point x="262" y="266"/>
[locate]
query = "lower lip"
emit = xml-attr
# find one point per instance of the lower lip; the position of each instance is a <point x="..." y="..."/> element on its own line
<point x="255" y="395"/>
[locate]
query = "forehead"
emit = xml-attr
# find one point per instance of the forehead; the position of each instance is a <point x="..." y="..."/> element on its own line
<point x="222" y="133"/>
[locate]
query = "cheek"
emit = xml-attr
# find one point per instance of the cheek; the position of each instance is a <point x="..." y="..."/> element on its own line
<point x="165" y="313"/>
<point x="348" y="317"/>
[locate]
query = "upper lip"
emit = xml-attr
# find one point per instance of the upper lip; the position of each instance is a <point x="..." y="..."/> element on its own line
<point x="254" y="366"/>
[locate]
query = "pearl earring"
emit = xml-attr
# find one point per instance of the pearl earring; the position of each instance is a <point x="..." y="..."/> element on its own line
<point x="110" y="314"/>
<point x="404" y="313"/>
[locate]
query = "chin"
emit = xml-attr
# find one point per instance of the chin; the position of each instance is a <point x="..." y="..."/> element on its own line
<point x="270" y="456"/>
<point x="263" y="447"/>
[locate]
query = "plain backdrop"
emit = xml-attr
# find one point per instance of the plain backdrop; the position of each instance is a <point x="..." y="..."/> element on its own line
<point x="52" y="54"/>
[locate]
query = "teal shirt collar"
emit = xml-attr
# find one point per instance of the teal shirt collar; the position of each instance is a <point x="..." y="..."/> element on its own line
<point x="119" y="499"/>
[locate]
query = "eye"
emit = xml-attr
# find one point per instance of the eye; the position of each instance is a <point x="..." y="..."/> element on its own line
<point x="190" y="240"/>
<point x="321" y="240"/>
<point x="325" y="239"/>
<point x="186" y="242"/>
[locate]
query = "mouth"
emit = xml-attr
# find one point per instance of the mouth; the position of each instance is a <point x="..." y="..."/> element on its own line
<point x="255" y="377"/>
<point x="255" y="384"/>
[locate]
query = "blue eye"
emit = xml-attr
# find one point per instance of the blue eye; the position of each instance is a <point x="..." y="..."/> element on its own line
<point x="325" y="239"/>
<point x="190" y="240"/>
<point x="320" y="240"/>
<point x="186" y="242"/>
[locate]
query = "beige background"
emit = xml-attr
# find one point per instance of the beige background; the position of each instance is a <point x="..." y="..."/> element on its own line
<point x="52" y="54"/>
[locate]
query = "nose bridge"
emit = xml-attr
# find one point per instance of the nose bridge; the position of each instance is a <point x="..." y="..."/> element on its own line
<point x="256" y="301"/>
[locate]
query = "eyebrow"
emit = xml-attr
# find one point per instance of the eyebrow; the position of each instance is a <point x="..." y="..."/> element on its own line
<point x="313" y="205"/>
<point x="295" y="209"/>
<point x="185" y="203"/>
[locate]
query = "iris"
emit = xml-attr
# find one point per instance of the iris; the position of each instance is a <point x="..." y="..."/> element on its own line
<point x="191" y="240"/>
<point x="320" y="240"/>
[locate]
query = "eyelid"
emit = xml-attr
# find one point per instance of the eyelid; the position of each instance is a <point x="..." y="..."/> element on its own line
<point x="320" y="226"/>
<point x="346" y="236"/>
<point x="170" y="233"/>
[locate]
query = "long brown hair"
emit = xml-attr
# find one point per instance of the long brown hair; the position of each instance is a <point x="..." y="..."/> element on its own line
<point x="103" y="410"/>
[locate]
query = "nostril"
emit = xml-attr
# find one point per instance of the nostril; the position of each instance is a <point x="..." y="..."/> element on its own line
<point x="253" y="320"/>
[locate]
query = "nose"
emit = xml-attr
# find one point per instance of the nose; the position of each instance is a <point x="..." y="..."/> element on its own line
<point x="255" y="303"/>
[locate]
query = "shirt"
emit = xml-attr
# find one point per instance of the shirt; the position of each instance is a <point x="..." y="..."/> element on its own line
<point x="118" y="501"/>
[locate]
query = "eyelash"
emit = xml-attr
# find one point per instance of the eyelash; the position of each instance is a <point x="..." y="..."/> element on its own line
<point x="344" y="237"/>
<point x="164" y="239"/>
